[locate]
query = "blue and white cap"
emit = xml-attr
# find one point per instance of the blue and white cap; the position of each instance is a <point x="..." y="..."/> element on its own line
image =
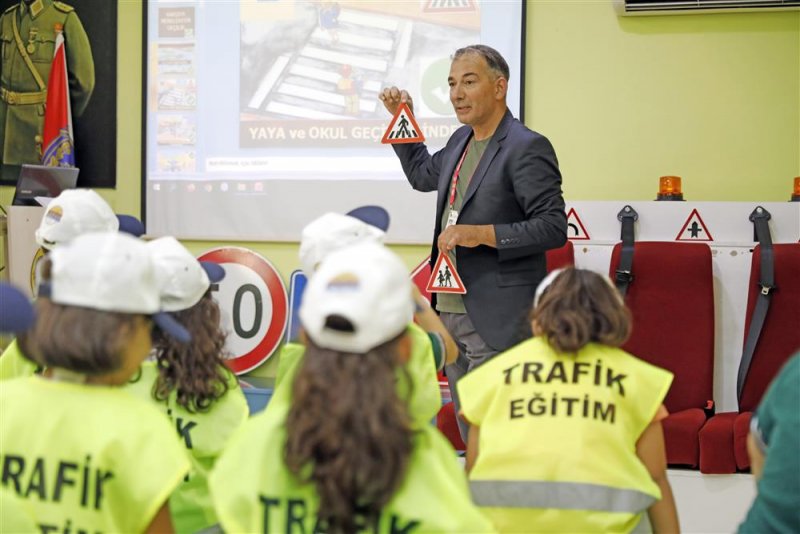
<point x="369" y="287"/>
<point x="112" y="272"/>
<point x="183" y="280"/>
<point x="333" y="231"/>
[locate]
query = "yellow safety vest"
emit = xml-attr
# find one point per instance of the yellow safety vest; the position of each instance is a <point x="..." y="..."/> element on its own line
<point x="13" y="364"/>
<point x="422" y="393"/>
<point x="558" y="433"/>
<point x="204" y="435"/>
<point x="16" y="516"/>
<point x="253" y="491"/>
<point x="86" y="458"/>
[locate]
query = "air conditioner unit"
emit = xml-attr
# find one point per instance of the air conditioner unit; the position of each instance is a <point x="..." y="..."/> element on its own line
<point x="677" y="7"/>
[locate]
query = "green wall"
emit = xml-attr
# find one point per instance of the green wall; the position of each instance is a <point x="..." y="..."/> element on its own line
<point x="714" y="98"/>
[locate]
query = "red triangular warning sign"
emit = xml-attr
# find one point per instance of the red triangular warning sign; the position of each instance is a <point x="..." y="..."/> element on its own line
<point x="694" y="229"/>
<point x="403" y="128"/>
<point x="448" y="6"/>
<point x="444" y="278"/>
<point x="420" y="276"/>
<point x="575" y="229"/>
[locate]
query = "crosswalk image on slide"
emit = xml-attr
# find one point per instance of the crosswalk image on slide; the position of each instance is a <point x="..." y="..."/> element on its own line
<point x="330" y="60"/>
<point x="337" y="68"/>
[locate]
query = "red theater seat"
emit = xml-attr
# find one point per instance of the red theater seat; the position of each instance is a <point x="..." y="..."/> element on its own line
<point x="447" y="425"/>
<point x="558" y="258"/>
<point x="723" y="440"/>
<point x="671" y="299"/>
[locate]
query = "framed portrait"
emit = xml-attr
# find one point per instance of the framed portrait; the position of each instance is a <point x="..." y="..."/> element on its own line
<point x="94" y="126"/>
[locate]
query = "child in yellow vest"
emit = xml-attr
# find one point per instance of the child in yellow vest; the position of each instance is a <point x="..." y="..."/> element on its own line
<point x="343" y="454"/>
<point x="565" y="427"/>
<point x="432" y="346"/>
<point x="189" y="382"/>
<point x="70" y="214"/>
<point x="16" y="316"/>
<point x="83" y="454"/>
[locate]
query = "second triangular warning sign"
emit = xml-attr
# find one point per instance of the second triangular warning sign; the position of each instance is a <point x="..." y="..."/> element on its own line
<point x="403" y="128"/>
<point x="444" y="278"/>
<point x="694" y="229"/>
<point x="575" y="229"/>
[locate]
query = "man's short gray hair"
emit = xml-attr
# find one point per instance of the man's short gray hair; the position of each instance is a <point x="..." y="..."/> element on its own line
<point x="493" y="58"/>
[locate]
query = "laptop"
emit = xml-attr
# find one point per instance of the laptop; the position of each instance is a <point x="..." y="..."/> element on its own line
<point x="37" y="183"/>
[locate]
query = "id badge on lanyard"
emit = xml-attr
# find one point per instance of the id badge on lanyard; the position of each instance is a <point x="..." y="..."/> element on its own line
<point x="452" y="215"/>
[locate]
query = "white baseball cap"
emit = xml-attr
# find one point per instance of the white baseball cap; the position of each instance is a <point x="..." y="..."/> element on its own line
<point x="331" y="232"/>
<point x="183" y="280"/>
<point x="112" y="272"/>
<point x="367" y="285"/>
<point x="79" y="211"/>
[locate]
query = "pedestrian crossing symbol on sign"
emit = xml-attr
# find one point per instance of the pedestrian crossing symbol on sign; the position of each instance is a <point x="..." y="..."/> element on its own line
<point x="403" y="128"/>
<point x="444" y="278"/>
<point x="694" y="229"/>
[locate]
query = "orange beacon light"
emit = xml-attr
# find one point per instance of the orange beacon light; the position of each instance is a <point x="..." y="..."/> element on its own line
<point x="796" y="193"/>
<point x="669" y="188"/>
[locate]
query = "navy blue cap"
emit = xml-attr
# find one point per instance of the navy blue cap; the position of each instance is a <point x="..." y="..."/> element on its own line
<point x="372" y="215"/>
<point x="215" y="271"/>
<point x="16" y="310"/>
<point x="130" y="225"/>
<point x="171" y="327"/>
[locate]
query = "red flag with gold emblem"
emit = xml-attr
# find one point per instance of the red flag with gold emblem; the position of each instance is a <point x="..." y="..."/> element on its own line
<point x="57" y="139"/>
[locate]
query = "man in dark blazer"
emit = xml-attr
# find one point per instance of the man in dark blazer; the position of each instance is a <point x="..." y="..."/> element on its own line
<point x="496" y="221"/>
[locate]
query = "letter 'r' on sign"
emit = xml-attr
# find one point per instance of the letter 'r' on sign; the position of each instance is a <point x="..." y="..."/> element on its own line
<point x="403" y="128"/>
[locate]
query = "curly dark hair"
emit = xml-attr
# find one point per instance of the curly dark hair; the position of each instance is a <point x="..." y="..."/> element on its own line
<point x="349" y="433"/>
<point x="580" y="307"/>
<point x="195" y="370"/>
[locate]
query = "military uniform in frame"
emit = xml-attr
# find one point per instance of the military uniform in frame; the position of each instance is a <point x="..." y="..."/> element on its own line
<point x="28" y="36"/>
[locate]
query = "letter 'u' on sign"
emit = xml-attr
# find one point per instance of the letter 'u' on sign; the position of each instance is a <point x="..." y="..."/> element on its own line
<point x="444" y="278"/>
<point x="403" y="128"/>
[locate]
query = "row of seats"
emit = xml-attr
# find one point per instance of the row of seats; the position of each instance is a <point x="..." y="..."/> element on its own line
<point x="723" y="438"/>
<point x="671" y="299"/>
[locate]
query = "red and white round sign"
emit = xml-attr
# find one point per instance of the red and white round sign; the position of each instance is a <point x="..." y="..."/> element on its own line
<point x="253" y="304"/>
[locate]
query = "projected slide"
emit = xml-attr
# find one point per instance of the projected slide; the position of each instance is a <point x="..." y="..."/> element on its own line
<point x="264" y="103"/>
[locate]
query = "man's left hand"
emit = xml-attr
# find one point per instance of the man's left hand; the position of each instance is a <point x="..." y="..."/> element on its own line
<point x="466" y="235"/>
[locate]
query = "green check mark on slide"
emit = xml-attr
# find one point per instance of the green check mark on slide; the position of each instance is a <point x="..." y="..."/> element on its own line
<point x="435" y="92"/>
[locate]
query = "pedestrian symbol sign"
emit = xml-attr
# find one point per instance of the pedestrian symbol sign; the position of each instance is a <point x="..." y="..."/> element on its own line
<point x="694" y="229"/>
<point x="575" y="229"/>
<point x="444" y="278"/>
<point x="403" y="128"/>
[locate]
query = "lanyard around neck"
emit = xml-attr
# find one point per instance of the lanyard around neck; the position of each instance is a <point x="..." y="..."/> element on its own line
<point x="456" y="173"/>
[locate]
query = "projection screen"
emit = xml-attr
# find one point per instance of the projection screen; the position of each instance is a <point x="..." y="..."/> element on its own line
<point x="260" y="115"/>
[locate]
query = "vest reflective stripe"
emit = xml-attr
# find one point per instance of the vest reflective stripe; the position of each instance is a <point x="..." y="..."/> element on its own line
<point x="559" y="495"/>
